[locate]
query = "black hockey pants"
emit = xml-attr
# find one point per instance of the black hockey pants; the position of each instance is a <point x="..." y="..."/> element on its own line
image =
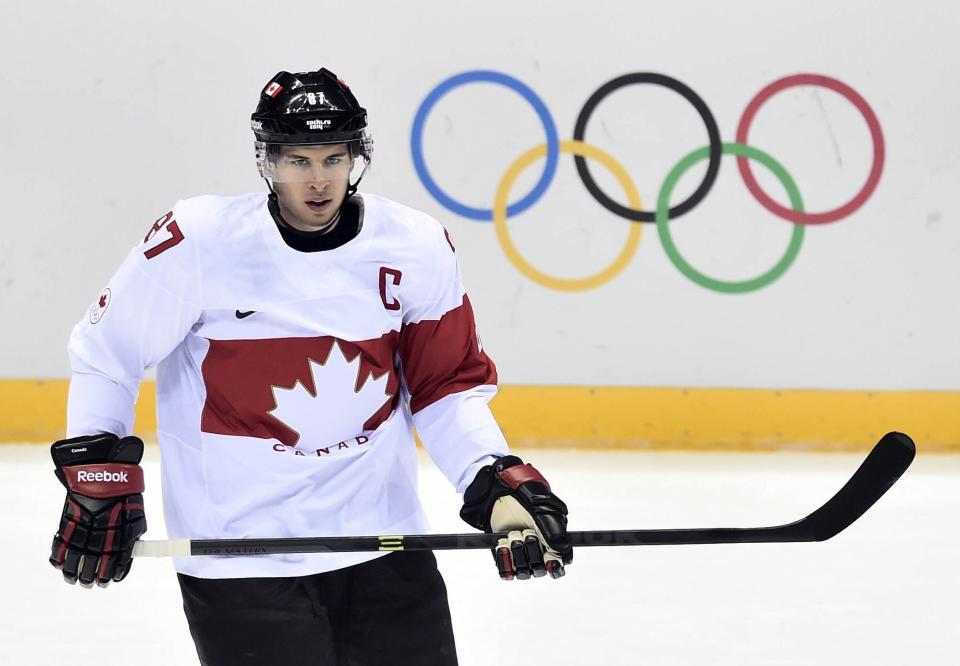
<point x="391" y="610"/>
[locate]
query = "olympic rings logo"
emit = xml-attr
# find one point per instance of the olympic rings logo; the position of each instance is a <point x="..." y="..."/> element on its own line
<point x="663" y="212"/>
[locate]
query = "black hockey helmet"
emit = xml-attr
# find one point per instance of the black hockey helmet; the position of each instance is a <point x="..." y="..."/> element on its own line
<point x="309" y="108"/>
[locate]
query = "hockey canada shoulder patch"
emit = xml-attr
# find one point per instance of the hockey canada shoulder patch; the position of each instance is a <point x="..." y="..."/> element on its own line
<point x="100" y="306"/>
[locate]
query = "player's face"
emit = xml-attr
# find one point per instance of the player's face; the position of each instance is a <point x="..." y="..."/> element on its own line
<point x="311" y="184"/>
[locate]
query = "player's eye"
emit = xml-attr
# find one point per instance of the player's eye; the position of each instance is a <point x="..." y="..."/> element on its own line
<point x="332" y="161"/>
<point x="300" y="162"/>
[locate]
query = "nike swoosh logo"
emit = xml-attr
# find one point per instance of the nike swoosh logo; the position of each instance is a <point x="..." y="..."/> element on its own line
<point x="244" y="315"/>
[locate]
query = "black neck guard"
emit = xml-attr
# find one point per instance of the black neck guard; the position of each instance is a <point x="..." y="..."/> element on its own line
<point x="346" y="229"/>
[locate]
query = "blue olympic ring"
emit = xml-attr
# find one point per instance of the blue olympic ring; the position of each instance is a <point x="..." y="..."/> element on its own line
<point x="484" y="76"/>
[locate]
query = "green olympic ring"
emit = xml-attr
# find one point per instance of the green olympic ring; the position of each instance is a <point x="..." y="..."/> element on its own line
<point x="663" y="220"/>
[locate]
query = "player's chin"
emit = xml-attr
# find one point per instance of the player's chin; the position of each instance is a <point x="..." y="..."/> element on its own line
<point x="315" y="218"/>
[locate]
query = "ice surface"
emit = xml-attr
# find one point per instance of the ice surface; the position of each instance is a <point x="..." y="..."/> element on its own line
<point x="885" y="591"/>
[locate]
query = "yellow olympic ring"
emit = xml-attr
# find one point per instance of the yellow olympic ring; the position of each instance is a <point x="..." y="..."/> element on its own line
<point x="544" y="279"/>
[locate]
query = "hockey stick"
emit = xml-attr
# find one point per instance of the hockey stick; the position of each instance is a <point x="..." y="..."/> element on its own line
<point x="880" y="470"/>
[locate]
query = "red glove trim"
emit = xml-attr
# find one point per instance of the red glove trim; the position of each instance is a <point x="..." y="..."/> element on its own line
<point x="67" y="533"/>
<point x="108" y="543"/>
<point x="104" y="480"/>
<point x="519" y="474"/>
<point x="506" y="563"/>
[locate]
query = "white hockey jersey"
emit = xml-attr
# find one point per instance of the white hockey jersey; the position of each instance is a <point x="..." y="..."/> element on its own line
<point x="288" y="381"/>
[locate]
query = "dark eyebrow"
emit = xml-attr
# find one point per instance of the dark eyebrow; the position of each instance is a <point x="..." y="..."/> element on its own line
<point x="341" y="153"/>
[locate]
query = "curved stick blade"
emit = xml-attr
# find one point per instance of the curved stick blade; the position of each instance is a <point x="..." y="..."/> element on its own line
<point x="888" y="460"/>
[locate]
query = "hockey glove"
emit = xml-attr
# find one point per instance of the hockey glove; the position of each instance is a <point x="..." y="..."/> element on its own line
<point x="509" y="496"/>
<point x="103" y="513"/>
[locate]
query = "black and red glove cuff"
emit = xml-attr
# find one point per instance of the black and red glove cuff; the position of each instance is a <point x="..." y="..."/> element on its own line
<point x="99" y="466"/>
<point x="484" y="490"/>
<point x="508" y="475"/>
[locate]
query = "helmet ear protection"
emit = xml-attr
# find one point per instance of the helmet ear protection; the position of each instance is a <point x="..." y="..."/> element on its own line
<point x="309" y="108"/>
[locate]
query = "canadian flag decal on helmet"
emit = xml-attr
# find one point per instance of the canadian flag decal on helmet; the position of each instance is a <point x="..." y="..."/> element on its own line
<point x="273" y="89"/>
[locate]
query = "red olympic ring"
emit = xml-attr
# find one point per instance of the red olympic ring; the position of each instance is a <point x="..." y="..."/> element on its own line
<point x="876" y="135"/>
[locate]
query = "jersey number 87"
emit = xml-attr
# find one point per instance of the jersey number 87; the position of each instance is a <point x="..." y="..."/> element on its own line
<point x="166" y="222"/>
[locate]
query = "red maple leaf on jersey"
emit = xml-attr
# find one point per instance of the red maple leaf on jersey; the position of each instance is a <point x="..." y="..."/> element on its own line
<point x="240" y="377"/>
<point x="103" y="301"/>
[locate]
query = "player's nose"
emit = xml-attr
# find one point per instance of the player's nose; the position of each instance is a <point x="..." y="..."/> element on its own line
<point x="318" y="177"/>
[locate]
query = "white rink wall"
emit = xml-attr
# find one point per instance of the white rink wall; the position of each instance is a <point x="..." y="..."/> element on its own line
<point x="113" y="111"/>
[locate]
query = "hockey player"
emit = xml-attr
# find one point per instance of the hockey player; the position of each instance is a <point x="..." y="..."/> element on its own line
<point x="298" y="334"/>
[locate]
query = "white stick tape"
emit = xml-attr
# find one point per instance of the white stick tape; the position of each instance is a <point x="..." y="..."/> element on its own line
<point x="170" y="548"/>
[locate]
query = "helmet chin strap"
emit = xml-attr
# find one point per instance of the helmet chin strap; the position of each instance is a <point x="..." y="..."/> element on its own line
<point x="334" y="221"/>
<point x="352" y="189"/>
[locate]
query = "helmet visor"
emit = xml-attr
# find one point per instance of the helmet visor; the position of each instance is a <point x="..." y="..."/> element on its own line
<point x="310" y="163"/>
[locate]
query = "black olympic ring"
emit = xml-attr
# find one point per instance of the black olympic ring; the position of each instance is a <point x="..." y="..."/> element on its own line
<point x="713" y="132"/>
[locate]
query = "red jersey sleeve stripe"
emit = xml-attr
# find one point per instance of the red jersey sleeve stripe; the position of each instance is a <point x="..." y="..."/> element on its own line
<point x="443" y="356"/>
